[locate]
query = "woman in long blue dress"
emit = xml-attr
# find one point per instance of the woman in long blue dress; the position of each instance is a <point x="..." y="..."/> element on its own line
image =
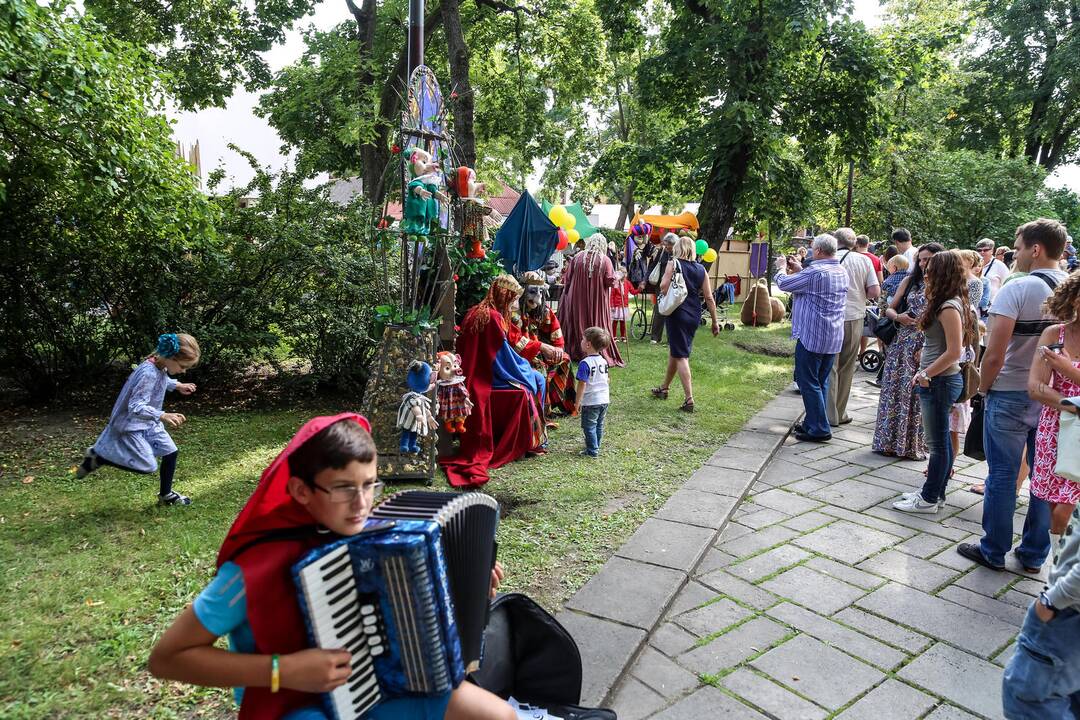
<point x="683" y="322"/>
<point x="899" y="431"/>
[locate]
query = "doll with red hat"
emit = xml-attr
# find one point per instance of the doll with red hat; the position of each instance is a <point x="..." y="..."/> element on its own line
<point x="474" y="234"/>
<point x="319" y="489"/>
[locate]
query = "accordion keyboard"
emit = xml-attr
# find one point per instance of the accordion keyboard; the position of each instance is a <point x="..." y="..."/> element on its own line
<point x="340" y="618"/>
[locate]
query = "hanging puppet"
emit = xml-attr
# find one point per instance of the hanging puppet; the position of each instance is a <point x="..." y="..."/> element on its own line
<point x="422" y="194"/>
<point x="415" y="418"/>
<point x="474" y="234"/>
<point x="538" y="328"/>
<point x="452" y="396"/>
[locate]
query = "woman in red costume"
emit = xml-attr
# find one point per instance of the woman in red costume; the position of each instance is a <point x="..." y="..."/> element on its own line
<point x="585" y="302"/>
<point x="507" y="420"/>
<point x="320" y="488"/>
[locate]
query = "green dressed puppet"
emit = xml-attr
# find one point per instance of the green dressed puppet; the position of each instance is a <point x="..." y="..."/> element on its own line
<point x="422" y="195"/>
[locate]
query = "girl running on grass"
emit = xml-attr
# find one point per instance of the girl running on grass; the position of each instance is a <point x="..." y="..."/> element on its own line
<point x="135" y="436"/>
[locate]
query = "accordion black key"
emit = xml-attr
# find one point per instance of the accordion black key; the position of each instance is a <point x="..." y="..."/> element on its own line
<point x="408" y="597"/>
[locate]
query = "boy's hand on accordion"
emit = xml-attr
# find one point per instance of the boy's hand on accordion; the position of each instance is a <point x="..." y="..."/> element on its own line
<point x="315" y="670"/>
<point x="497" y="575"/>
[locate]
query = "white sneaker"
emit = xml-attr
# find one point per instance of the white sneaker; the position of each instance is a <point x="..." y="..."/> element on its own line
<point x="917" y="494"/>
<point x="913" y="503"/>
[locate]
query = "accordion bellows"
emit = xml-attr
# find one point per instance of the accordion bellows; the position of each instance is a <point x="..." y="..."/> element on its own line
<point x="408" y="597"/>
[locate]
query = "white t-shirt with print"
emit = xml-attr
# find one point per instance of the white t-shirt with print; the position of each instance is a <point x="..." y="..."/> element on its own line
<point x="593" y="369"/>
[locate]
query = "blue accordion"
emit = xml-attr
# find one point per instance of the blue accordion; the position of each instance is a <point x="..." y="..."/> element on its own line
<point x="391" y="594"/>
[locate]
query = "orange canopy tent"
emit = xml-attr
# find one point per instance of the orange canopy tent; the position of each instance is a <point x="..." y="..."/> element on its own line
<point x="664" y="223"/>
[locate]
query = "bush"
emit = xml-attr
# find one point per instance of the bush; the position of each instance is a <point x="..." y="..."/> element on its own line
<point x="97" y="214"/>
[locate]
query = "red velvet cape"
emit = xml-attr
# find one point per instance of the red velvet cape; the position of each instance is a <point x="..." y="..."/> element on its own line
<point x="499" y="429"/>
<point x="270" y="594"/>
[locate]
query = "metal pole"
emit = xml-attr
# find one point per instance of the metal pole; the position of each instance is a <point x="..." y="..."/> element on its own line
<point x="416" y="35"/>
<point x="850" y="186"/>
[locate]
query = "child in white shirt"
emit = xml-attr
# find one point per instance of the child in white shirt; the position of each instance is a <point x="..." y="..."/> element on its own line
<point x="592" y="388"/>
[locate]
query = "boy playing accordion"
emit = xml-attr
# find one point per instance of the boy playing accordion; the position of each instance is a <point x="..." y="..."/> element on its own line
<point x="320" y="488"/>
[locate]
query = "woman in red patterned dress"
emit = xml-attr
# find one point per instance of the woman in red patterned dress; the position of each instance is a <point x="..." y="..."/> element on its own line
<point x="1056" y="375"/>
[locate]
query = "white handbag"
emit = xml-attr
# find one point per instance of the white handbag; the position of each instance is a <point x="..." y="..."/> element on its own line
<point x="1068" y="447"/>
<point x="654" y="276"/>
<point x="676" y="292"/>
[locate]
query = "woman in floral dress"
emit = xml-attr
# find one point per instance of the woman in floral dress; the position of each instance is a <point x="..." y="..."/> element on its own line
<point x="899" y="429"/>
<point x="1056" y="375"/>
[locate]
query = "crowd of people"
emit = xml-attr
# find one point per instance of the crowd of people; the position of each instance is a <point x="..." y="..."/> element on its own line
<point x="993" y="332"/>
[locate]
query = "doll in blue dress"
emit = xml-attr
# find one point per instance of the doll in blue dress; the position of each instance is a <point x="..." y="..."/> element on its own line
<point x="135" y="436"/>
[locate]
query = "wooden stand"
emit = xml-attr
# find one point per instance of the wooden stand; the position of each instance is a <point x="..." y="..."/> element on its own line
<point x="382" y="398"/>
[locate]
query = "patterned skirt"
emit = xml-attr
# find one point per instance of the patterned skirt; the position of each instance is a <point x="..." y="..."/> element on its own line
<point x="561" y="395"/>
<point x="899" y="429"/>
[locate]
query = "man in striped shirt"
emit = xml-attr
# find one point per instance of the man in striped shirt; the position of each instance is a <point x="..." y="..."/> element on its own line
<point x="817" y="324"/>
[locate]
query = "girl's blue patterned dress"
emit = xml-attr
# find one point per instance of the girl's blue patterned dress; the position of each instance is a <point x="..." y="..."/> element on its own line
<point x="135" y="436"/>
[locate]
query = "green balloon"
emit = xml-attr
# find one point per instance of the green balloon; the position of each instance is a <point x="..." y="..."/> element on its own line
<point x="701" y="246"/>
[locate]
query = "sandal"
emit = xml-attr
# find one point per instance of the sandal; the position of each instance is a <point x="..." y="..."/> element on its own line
<point x="687" y="406"/>
<point x="660" y="392"/>
<point x="173" y="498"/>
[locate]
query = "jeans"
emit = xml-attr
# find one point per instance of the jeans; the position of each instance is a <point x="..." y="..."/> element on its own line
<point x="936" y="401"/>
<point x="812" y="377"/>
<point x="1042" y="680"/>
<point x="592" y="424"/>
<point x="1009" y="425"/>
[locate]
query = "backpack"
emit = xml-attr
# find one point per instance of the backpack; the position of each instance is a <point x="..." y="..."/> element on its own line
<point x="530" y="656"/>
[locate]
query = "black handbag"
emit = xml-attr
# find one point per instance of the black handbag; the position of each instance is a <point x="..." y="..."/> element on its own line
<point x="885" y="330"/>
<point x="973" y="440"/>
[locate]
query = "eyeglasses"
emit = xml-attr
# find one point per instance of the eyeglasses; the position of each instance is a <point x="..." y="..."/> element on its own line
<point x="985" y="249"/>
<point x="349" y="493"/>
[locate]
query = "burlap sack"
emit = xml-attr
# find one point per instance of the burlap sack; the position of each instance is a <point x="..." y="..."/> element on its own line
<point x="757" y="311"/>
<point x="778" y="309"/>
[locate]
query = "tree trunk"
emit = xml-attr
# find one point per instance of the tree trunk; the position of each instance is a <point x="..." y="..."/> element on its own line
<point x="463" y="105"/>
<point x="626" y="207"/>
<point x="726" y="177"/>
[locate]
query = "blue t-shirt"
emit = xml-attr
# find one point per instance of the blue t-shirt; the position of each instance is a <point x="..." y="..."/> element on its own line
<point x="222" y="610"/>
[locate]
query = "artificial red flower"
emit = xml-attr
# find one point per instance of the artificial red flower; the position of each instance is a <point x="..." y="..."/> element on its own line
<point x="455" y="278"/>
<point x="454" y="95"/>
<point x="395" y="148"/>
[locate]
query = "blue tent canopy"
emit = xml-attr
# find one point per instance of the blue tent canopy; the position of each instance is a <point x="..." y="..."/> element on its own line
<point x="527" y="238"/>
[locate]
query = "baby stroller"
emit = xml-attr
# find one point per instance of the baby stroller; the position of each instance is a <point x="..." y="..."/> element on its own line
<point x="723" y="296"/>
<point x="871" y="359"/>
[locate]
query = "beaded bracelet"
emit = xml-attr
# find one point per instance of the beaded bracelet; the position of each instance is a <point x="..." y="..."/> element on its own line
<point x="275" y="674"/>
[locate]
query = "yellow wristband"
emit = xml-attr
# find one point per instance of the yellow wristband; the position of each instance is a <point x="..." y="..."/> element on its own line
<point x="275" y="674"/>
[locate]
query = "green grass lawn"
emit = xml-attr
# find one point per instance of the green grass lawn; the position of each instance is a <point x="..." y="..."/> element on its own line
<point x="92" y="571"/>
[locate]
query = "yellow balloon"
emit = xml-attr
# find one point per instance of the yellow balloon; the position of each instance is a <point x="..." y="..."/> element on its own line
<point x="572" y="236"/>
<point x="709" y="255"/>
<point x="556" y="214"/>
<point x="568" y="221"/>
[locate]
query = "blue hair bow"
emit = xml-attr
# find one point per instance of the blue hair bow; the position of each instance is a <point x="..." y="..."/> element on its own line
<point x="168" y="345"/>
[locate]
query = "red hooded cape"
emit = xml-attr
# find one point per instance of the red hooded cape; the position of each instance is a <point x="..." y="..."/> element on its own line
<point x="499" y="430"/>
<point x="270" y="594"/>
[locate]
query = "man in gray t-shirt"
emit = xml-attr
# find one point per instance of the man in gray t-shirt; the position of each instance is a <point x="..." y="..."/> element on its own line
<point x="1016" y="322"/>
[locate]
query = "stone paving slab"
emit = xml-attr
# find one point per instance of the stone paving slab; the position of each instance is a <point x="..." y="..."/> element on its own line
<point x="694" y="507"/>
<point x="770" y="697"/>
<point x="709" y="703"/>
<point x="977" y="633"/>
<point x="846" y="542"/>
<point x="606" y="595"/>
<point x="669" y="544"/>
<point x="957" y="676"/>
<point x="835" y="634"/>
<point x="891" y="699"/>
<point x="606" y="648"/>
<point x="821" y="673"/>
<point x="779" y="582"/>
